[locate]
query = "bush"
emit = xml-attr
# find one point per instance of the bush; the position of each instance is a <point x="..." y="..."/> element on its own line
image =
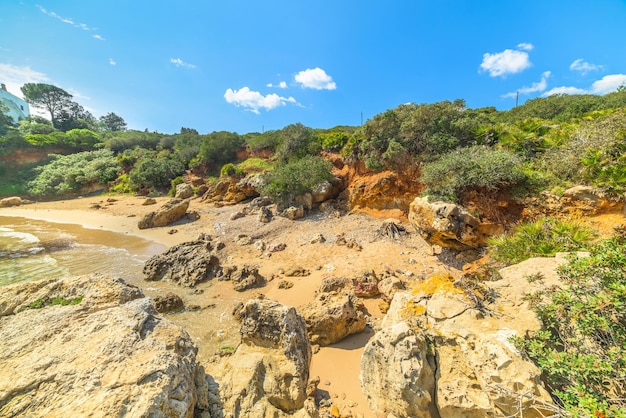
<point x="69" y="173"/>
<point x="582" y="348"/>
<point x="155" y="173"/>
<point x="295" y="178"/>
<point x="230" y="169"/>
<point x="543" y="238"/>
<point x="473" y="167"/>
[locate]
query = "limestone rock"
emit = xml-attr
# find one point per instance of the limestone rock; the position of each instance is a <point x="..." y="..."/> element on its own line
<point x="446" y="224"/>
<point x="246" y="277"/>
<point x="396" y="377"/>
<point x="149" y="201"/>
<point x="183" y="191"/>
<point x="168" y="303"/>
<point x="10" y="201"/>
<point x="168" y="213"/>
<point x="293" y="213"/>
<point x="187" y="264"/>
<point x="331" y="317"/>
<point x="108" y="355"/>
<point x="326" y="190"/>
<point x="593" y="198"/>
<point x="267" y="375"/>
<point x="265" y="214"/>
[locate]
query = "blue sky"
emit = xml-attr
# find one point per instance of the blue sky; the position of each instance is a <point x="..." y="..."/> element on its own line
<point x="248" y="66"/>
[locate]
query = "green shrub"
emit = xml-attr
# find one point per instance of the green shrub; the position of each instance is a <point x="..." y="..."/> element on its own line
<point x="582" y="347"/>
<point x="542" y="238"/>
<point x="69" y="173"/>
<point x="295" y="178"/>
<point x="155" y="173"/>
<point x="255" y="165"/>
<point x="230" y="169"/>
<point x="333" y="141"/>
<point x="473" y="167"/>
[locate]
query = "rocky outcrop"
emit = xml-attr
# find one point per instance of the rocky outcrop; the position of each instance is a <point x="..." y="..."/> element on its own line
<point x="234" y="189"/>
<point x="183" y="191"/>
<point x="477" y="370"/>
<point x="267" y="375"/>
<point x="187" y="264"/>
<point x="326" y="190"/>
<point x="93" y="346"/>
<point x="244" y="277"/>
<point x="449" y="225"/>
<point x="168" y="303"/>
<point x="10" y="201"/>
<point x="333" y="316"/>
<point x="169" y="213"/>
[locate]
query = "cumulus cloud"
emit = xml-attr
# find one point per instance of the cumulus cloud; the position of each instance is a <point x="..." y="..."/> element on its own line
<point x="112" y="61"/>
<point x="15" y="77"/>
<point x="509" y="61"/>
<point x="607" y="84"/>
<point x="253" y="100"/>
<point x="69" y="21"/>
<point x="535" y="87"/>
<point x="583" y="66"/>
<point x="281" y="85"/>
<point x="315" y="78"/>
<point x="180" y="63"/>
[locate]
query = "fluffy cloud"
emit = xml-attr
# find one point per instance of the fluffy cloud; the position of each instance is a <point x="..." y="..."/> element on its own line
<point x="180" y="63"/>
<point x="509" y="61"/>
<point x="540" y="85"/>
<point x="584" y="67"/>
<point x="607" y="84"/>
<point x="15" y="77"/>
<point x="253" y="100"/>
<point x="315" y="78"/>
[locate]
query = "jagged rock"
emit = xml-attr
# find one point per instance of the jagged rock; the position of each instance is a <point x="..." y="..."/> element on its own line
<point x="296" y="271"/>
<point x="10" y="201"/>
<point x="326" y="190"/>
<point x="293" y="213"/>
<point x="149" y="201"/>
<point x="396" y="376"/>
<point x="285" y="284"/>
<point x="334" y="284"/>
<point x="447" y="224"/>
<point x="246" y="277"/>
<point x="331" y="317"/>
<point x="304" y="200"/>
<point x="276" y="247"/>
<point x="168" y="213"/>
<point x="260" y="245"/>
<point x="265" y="214"/>
<point x="366" y="285"/>
<point x="243" y="239"/>
<point x="168" y="303"/>
<point x="252" y="185"/>
<point x="193" y="215"/>
<point x="186" y="264"/>
<point x="255" y="204"/>
<point x="388" y="287"/>
<point x="267" y="375"/>
<point x="109" y="355"/>
<point x="183" y="191"/>
<point x="592" y="197"/>
<point x="318" y="239"/>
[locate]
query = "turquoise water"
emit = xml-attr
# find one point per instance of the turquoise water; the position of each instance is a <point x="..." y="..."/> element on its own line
<point x="33" y="250"/>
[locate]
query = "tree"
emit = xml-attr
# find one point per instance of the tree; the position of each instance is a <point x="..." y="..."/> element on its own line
<point x="52" y="98"/>
<point x="74" y="116"/>
<point x="6" y="121"/>
<point x="112" y="122"/>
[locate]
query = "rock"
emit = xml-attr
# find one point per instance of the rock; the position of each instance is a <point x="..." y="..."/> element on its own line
<point x="246" y="277"/>
<point x="592" y="197"/>
<point x="259" y="245"/>
<point x="293" y="213"/>
<point x="193" y="215"/>
<point x="447" y="224"/>
<point x="388" y="287"/>
<point x="326" y="190"/>
<point x="265" y="215"/>
<point x="396" y="376"/>
<point x="334" y="284"/>
<point x="318" y="239"/>
<point x="10" y="201"/>
<point x="168" y="303"/>
<point x="255" y="204"/>
<point x="304" y="200"/>
<point x="186" y="264"/>
<point x="366" y="286"/>
<point x="183" y="191"/>
<point x="109" y="355"/>
<point x="267" y="375"/>
<point x="252" y="185"/>
<point x="279" y="246"/>
<point x="168" y="213"/>
<point x="149" y="201"/>
<point x="243" y="239"/>
<point x="331" y="317"/>
<point x="296" y="271"/>
<point x="236" y="215"/>
<point x="285" y="284"/>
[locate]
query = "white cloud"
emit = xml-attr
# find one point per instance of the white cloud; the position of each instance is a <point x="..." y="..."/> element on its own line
<point x="253" y="100"/>
<point x="15" y="77"/>
<point x="535" y="87"/>
<point x="506" y="62"/>
<point x="315" y="78"/>
<point x="607" y="84"/>
<point x="525" y="46"/>
<point x="180" y="63"/>
<point x="98" y="37"/>
<point x="583" y="66"/>
<point x="112" y="61"/>
<point x="69" y="21"/>
<point x="281" y="85"/>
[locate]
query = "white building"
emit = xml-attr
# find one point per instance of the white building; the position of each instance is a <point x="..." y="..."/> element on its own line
<point x="18" y="108"/>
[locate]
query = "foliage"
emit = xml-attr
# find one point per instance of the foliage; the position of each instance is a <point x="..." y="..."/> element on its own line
<point x="295" y="178"/>
<point x="155" y="173"/>
<point x="49" y="97"/>
<point x="333" y="141"/>
<point x="6" y="121"/>
<point x="74" y="116"/>
<point x="582" y="346"/>
<point x="112" y="122"/>
<point x="230" y="169"/>
<point x="468" y="168"/>
<point x="269" y="140"/>
<point x="296" y="141"/>
<point x="542" y="238"/>
<point x="35" y="125"/>
<point x="123" y="140"/>
<point x="69" y="173"/>
<point x="255" y="165"/>
<point x="59" y="300"/>
<point x="219" y="148"/>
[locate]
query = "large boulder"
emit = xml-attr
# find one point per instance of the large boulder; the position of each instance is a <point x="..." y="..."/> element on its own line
<point x="183" y="191"/>
<point x="187" y="264"/>
<point x="396" y="376"/>
<point x="332" y="316"/>
<point x="267" y="375"/>
<point x="449" y="225"/>
<point x="93" y="346"/>
<point x="326" y="190"/>
<point x="169" y="213"/>
<point x="10" y="201"/>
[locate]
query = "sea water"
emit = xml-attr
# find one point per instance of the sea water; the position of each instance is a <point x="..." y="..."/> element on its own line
<point x="34" y="250"/>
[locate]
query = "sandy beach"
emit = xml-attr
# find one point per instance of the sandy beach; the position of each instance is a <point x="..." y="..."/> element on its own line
<point x="336" y="365"/>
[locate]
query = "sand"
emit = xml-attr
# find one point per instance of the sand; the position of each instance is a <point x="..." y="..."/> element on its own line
<point x="337" y="365"/>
